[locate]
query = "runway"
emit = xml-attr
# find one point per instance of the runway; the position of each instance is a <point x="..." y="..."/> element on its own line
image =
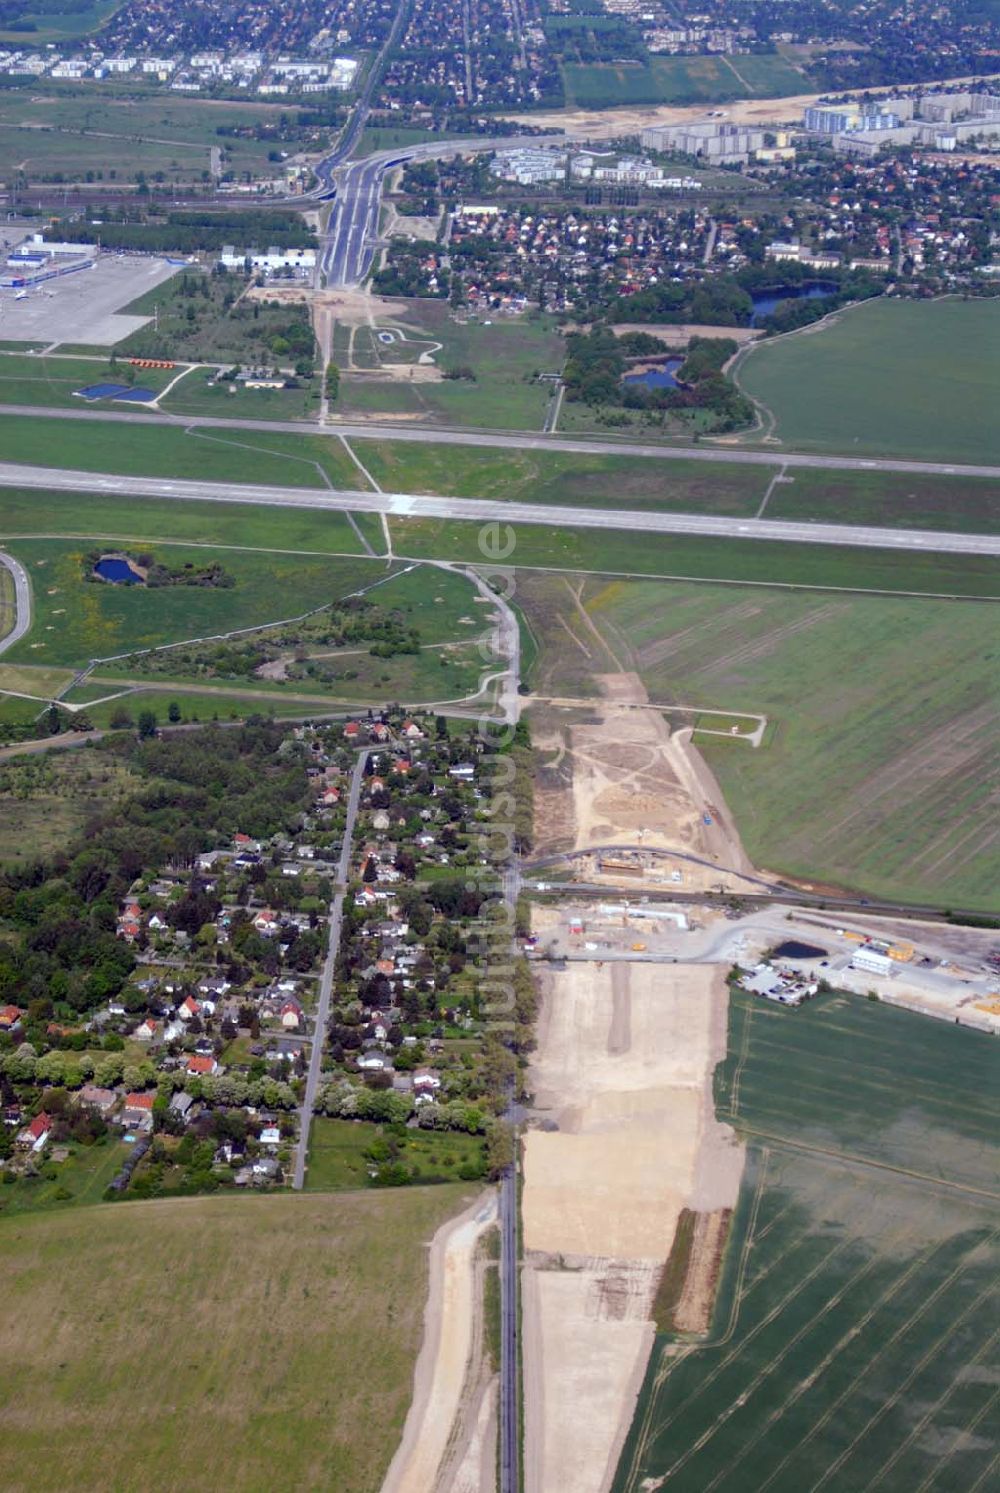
<point x="488" y="510"/>
<point x="515" y="441"/>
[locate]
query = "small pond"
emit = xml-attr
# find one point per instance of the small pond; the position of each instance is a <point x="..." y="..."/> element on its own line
<point x="660" y="377"/>
<point x="766" y="301"/>
<point x="791" y="949"/>
<point x="117" y="570"/>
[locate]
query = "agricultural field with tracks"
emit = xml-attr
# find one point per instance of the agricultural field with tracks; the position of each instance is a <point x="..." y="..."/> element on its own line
<point x="854" y="1344"/>
<point x="902" y="737"/>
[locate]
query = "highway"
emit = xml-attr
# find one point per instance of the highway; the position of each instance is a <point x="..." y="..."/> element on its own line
<point x="490" y="510"/>
<point x="515" y="441"/>
<point x="347" y="245"/>
<point x="22" y="601"/>
<point x="326" y="980"/>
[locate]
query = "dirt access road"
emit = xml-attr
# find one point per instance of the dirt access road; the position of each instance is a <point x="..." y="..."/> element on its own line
<point x="445" y="1412"/>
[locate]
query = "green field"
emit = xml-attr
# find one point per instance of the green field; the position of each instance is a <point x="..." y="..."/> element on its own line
<point x="196" y="394"/>
<point x="565" y="477"/>
<point x="757" y="562"/>
<point x="337" y="1157"/>
<point x="52" y="382"/>
<point x="505" y="358"/>
<point x="53" y="25"/>
<point x="210" y="454"/>
<point x="75" y="620"/>
<point x="855" y="1340"/>
<point x="903" y="739"/>
<point x="114" y="130"/>
<point x="678" y="80"/>
<point x="7" y="603"/>
<point x="916" y="379"/>
<point x="130" y="519"/>
<point x="888" y="500"/>
<point x="294" y="1321"/>
<point x="441" y="604"/>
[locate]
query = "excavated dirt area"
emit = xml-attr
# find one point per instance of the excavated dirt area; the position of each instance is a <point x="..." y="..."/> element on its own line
<point x="614" y="774"/>
<point x="624" y="1136"/>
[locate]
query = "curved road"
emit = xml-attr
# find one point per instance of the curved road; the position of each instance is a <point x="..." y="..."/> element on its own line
<point x="489" y="510"/>
<point x="22" y="601"/>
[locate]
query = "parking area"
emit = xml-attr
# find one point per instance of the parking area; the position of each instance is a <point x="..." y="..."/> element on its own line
<point x="84" y="307"/>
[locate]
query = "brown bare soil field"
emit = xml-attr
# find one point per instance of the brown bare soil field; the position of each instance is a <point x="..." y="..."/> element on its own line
<point x="626" y="1138"/>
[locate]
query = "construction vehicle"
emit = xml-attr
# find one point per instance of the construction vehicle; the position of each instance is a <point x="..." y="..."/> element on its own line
<point x="638" y="948"/>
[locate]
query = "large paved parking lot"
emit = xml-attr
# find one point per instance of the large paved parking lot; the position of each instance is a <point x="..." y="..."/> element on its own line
<point x="85" y="306"/>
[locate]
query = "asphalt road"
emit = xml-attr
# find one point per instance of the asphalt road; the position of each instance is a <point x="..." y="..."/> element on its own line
<point x="489" y="510"/>
<point x="351" y="236"/>
<point x="517" y="441"/>
<point x="326" y="980"/>
<point x="22" y="601"/>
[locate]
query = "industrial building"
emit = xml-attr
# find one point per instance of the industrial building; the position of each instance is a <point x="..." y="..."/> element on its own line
<point x="872" y="962"/>
<point x="34" y="261"/>
<point x="272" y="261"/>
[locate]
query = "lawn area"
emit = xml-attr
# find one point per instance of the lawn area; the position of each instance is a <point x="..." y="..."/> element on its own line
<point x="565" y="477"/>
<point x="84" y="1176"/>
<point x="8" y="609"/>
<point x="337" y="1156"/>
<point x="75" y="620"/>
<point x="917" y="379"/>
<point x="444" y="607"/>
<point x="678" y="80"/>
<point x="505" y="357"/>
<point x="128" y="520"/>
<point x="206" y="454"/>
<point x="141" y="1314"/>
<point x="196" y="394"/>
<point x="903" y="739"/>
<point x="52" y="382"/>
<point x="759" y="562"/>
<point x="76" y="128"/>
<point x="887" y="499"/>
<point x="854" y="1343"/>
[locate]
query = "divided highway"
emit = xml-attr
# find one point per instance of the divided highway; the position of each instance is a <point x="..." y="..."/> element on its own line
<point x="485" y="510"/>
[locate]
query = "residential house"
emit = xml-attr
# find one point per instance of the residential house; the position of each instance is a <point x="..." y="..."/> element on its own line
<point x="182" y="1104"/>
<point x="291" y="1015"/>
<point x="266" y="923"/>
<point x="94" y="1097"/>
<point x="425" y="1081"/>
<point x="270" y="1135"/>
<point x="373" y="1062"/>
<point x="35" y="1135"/>
<point x="147" y="1030"/>
<point x="200" y="1065"/>
<point x="9" y="1017"/>
<point x="412" y="731"/>
<point x="188" y="1009"/>
<point x="137" y="1111"/>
